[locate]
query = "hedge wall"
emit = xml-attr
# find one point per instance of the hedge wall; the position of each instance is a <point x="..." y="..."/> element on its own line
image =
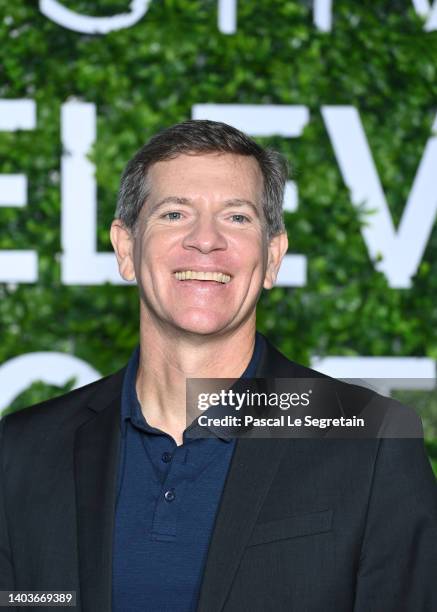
<point x="377" y="58"/>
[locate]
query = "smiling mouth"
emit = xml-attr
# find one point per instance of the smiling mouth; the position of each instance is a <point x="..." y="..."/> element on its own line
<point x="218" y="277"/>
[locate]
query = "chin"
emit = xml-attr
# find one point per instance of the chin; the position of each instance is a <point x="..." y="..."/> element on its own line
<point x="201" y="323"/>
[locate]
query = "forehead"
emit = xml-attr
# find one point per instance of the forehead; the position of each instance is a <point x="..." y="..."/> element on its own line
<point x="221" y="176"/>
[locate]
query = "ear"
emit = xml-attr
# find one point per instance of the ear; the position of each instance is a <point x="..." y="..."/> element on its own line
<point x="276" y="250"/>
<point x="122" y="241"/>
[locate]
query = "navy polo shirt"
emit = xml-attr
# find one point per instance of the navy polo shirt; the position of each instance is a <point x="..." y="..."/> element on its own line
<point x="167" y="500"/>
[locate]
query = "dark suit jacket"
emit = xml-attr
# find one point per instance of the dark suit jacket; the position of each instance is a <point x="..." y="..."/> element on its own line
<point x="308" y="525"/>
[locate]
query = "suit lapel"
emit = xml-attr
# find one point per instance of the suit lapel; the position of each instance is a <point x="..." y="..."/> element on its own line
<point x="253" y="467"/>
<point x="96" y="462"/>
<point x="273" y="364"/>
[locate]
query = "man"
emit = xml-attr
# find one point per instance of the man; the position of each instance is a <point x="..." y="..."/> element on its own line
<point x="105" y="493"/>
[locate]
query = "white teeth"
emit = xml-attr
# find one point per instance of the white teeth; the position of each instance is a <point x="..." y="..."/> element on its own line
<point x="219" y="277"/>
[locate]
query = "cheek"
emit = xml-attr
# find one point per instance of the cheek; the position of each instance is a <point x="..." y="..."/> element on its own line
<point x="250" y="253"/>
<point x="152" y="250"/>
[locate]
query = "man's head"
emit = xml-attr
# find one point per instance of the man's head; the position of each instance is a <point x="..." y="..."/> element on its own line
<point x="198" y="138"/>
<point x="199" y="225"/>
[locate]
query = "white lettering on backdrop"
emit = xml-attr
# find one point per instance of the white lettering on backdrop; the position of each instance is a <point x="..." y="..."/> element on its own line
<point x="226" y="16"/>
<point x="52" y="368"/>
<point x="16" y="266"/>
<point x="78" y="22"/>
<point x="401" y="251"/>
<point x="428" y="12"/>
<point x="384" y="374"/>
<point x="81" y="264"/>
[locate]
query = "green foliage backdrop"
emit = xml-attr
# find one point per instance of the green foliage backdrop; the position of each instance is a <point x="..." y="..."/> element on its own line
<point x="377" y="58"/>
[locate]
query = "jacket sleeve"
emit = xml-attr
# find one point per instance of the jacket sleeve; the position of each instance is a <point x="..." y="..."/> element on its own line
<point x="398" y="564"/>
<point x="7" y="582"/>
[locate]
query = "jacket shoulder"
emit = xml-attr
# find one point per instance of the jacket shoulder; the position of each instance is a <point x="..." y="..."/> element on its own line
<point x="385" y="417"/>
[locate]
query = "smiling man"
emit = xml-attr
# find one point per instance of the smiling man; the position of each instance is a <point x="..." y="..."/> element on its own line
<point x="201" y="251"/>
<point x="105" y="493"/>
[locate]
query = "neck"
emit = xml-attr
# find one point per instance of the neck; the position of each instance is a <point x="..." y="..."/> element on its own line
<point x="169" y="357"/>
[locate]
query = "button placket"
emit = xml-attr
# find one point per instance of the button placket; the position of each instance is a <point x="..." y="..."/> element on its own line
<point x="167" y="508"/>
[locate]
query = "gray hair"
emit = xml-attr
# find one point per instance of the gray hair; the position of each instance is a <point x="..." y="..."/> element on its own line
<point x="196" y="137"/>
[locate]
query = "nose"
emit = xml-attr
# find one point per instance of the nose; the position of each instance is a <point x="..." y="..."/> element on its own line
<point x="205" y="236"/>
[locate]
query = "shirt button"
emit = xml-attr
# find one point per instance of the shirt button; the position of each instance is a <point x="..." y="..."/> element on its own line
<point x="170" y="495"/>
<point x="166" y="457"/>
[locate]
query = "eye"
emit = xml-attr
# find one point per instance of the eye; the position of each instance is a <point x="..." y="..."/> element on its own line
<point x="241" y="219"/>
<point x="172" y="216"/>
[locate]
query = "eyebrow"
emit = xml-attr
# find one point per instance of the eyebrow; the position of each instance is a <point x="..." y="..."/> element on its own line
<point x="189" y="202"/>
<point x="239" y="202"/>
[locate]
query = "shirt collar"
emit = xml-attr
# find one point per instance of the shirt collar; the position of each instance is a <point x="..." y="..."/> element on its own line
<point x="130" y="405"/>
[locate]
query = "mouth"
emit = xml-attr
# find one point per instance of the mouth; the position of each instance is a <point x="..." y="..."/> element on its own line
<point x="218" y="277"/>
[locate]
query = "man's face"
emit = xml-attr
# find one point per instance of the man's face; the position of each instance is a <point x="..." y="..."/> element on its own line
<point x="200" y="253"/>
